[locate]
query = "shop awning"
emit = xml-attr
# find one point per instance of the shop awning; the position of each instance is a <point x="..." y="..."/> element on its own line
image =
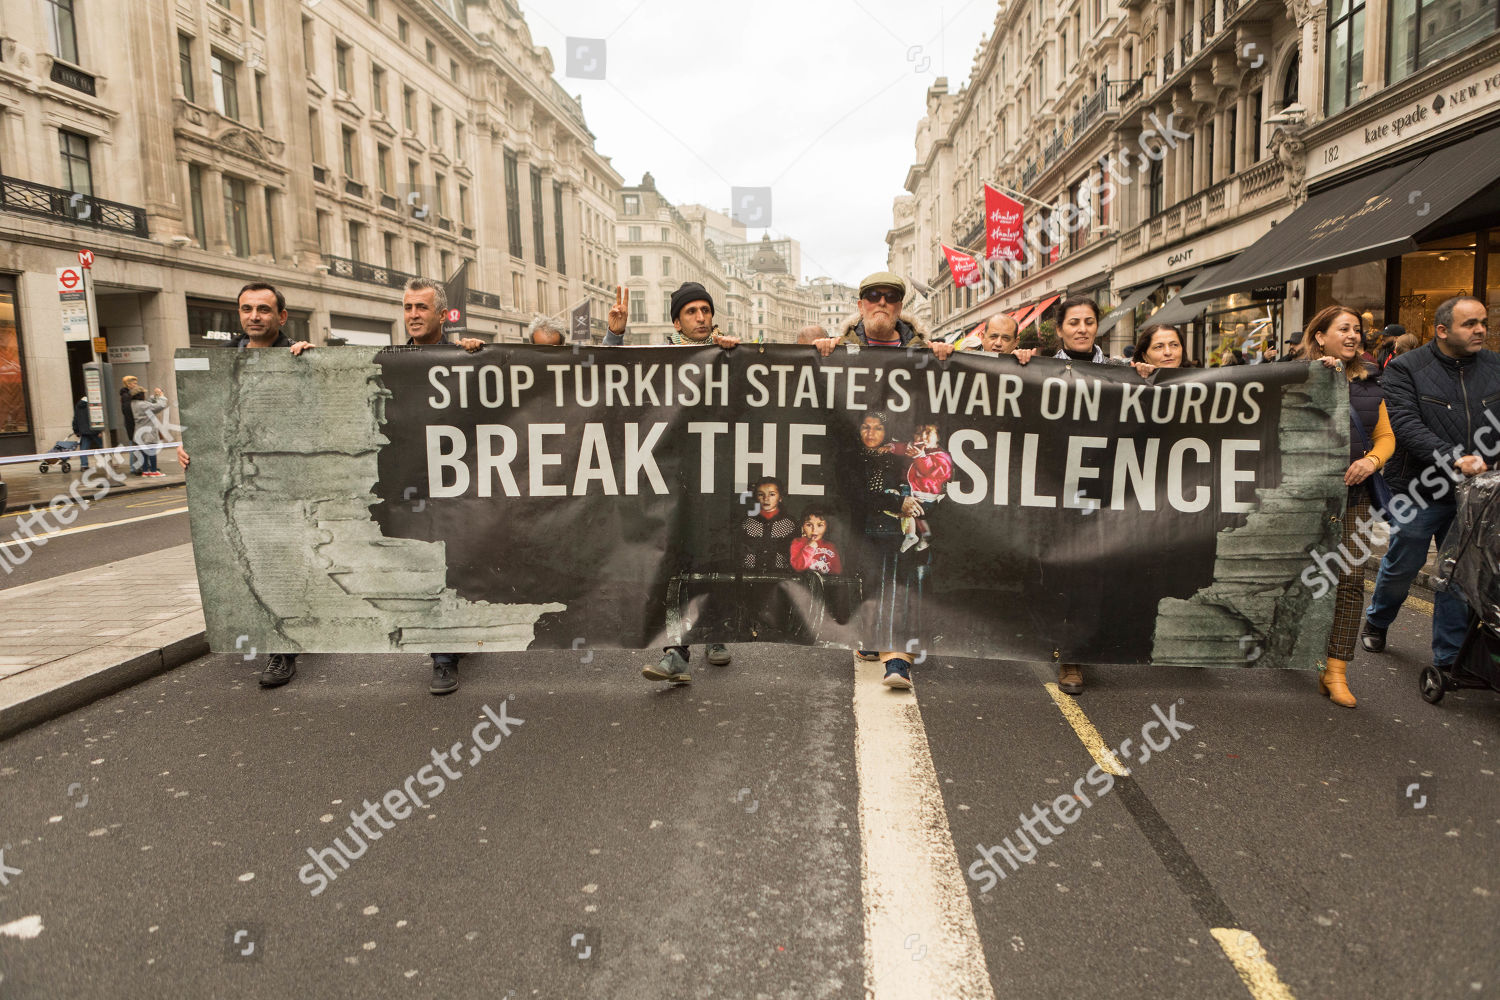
<point x="1036" y="312"/>
<point x="1124" y="309"/>
<point x="1379" y="215"/>
<point x="1181" y="308"/>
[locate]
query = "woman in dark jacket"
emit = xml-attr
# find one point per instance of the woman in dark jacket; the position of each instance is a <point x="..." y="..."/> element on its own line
<point x="1334" y="337"/>
<point x="880" y="498"/>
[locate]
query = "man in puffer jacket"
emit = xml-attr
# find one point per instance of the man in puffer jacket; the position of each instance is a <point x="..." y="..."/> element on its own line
<point x="1444" y="405"/>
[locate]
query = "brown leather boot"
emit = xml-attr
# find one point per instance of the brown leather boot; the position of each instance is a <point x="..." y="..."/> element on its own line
<point x="1335" y="684"/>
<point x="1070" y="678"/>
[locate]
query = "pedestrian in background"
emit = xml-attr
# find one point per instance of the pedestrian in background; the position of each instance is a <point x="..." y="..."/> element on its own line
<point x="1333" y="337"/>
<point x="1444" y="403"/>
<point x="88" y="437"/>
<point x="128" y="386"/>
<point x="1158" y="346"/>
<point x="148" y="427"/>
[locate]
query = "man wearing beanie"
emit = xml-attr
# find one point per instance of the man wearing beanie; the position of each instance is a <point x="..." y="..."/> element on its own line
<point x="879" y="324"/>
<point x="692" y="326"/>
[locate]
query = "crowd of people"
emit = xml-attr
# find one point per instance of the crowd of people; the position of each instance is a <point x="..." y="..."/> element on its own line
<point x="1419" y="416"/>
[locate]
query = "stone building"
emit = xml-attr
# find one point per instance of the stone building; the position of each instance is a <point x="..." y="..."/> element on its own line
<point x="1153" y="142"/>
<point x="660" y="248"/>
<point x="332" y="149"/>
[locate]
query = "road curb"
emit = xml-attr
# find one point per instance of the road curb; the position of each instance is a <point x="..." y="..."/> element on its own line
<point x="76" y="687"/>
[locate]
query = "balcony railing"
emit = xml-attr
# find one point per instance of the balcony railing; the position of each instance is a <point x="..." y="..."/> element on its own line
<point x="28" y="198"/>
<point x="1187" y="46"/>
<point x="445" y="224"/>
<point x="1127" y="92"/>
<point x="320" y="174"/>
<point x="389" y="202"/>
<point x="75" y="78"/>
<point x="467" y="232"/>
<point x="1208" y="25"/>
<point x="1166" y="64"/>
<point x="370" y="274"/>
<point x="1028" y="176"/>
<point x="1230" y="6"/>
<point x="354" y="188"/>
<point x="488" y="300"/>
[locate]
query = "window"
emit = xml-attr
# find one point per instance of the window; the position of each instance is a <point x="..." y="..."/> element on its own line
<point x="1257" y="111"/>
<point x="324" y="241"/>
<point x="356" y="241"/>
<point x="439" y="182"/>
<point x="419" y="257"/>
<point x="513" y="203"/>
<point x="1291" y="81"/>
<point x="435" y="124"/>
<point x="260" y="100"/>
<point x="226" y="87"/>
<point x="637" y="266"/>
<point x="372" y="9"/>
<point x="666" y="235"/>
<point x="271" y="223"/>
<point x="458" y="140"/>
<point x="315" y="134"/>
<point x="409" y="109"/>
<point x="633" y="234"/>
<point x="341" y="65"/>
<point x="431" y="53"/>
<point x="1346" y="54"/>
<point x="377" y="89"/>
<point x="1232" y="126"/>
<point x="453" y="70"/>
<point x="347" y="140"/>
<point x="1154" y="189"/>
<point x="64" y="30"/>
<point x="236" y="216"/>
<point x="383" y="167"/>
<point x="515" y="292"/>
<point x="77" y="169"/>
<point x="538" y="220"/>
<point x="1423" y="32"/>
<point x="403" y="31"/>
<point x="541" y="296"/>
<point x="666" y="307"/>
<point x="557" y="213"/>
<point x="185" y="66"/>
<point x="195" y="199"/>
<point x="666" y="267"/>
<point x="389" y="241"/>
<point x="463" y="204"/>
<point x="254" y="6"/>
<point x="445" y="263"/>
<point x="309" y="62"/>
<point x="633" y="205"/>
<point x="638" y="308"/>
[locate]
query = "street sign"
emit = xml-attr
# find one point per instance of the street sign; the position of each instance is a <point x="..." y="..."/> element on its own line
<point x="86" y="258"/>
<point x="132" y="354"/>
<point x="73" y="302"/>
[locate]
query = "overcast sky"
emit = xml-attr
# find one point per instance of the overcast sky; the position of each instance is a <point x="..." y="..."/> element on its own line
<point x="816" y="99"/>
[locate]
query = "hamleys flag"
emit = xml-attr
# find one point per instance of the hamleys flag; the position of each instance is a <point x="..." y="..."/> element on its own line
<point x="965" y="267"/>
<point x="1003" y="225"/>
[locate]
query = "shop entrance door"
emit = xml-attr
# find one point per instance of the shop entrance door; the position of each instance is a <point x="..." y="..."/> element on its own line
<point x="16" y="434"/>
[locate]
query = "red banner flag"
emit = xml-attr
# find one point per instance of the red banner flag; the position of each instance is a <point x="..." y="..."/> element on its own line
<point x="1005" y="221"/>
<point x="965" y="267"/>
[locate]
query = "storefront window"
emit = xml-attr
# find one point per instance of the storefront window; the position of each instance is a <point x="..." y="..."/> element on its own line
<point x="13" y="418"/>
<point x="1361" y="288"/>
<point x="1426" y="31"/>
<point x="1438" y="271"/>
<point x="217" y="324"/>
<point x="1240" y="322"/>
<point x="1491" y="292"/>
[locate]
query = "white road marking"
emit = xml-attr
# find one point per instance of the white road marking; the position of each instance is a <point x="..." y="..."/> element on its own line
<point x="26" y="928"/>
<point x="27" y="539"/>
<point x="921" y="940"/>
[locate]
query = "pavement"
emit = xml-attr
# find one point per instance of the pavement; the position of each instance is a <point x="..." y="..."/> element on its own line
<point x="27" y="486"/>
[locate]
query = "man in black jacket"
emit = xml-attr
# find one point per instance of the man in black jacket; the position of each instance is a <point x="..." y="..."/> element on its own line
<point x="1444" y="405"/>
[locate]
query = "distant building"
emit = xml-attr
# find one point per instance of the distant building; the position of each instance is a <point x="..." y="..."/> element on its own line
<point x="660" y="248"/>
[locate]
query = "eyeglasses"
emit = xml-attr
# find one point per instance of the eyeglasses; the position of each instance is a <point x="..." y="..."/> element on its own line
<point x="877" y="295"/>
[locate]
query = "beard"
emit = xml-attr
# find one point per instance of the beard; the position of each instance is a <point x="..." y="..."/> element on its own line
<point x="882" y="326"/>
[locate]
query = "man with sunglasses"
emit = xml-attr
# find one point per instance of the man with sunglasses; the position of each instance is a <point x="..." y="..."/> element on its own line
<point x="879" y="324"/>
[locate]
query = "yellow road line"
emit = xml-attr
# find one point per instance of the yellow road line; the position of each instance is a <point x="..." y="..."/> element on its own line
<point x="1092" y="741"/>
<point x="1249" y="958"/>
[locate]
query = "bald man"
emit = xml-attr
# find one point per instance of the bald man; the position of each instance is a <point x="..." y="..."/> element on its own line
<point x="810" y="334"/>
<point x="1000" y="336"/>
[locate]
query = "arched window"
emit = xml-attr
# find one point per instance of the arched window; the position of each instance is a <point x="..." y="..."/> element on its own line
<point x="1291" y="80"/>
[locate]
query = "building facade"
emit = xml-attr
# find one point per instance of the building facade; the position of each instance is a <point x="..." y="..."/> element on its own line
<point x="332" y="149"/>
<point x="1153" y="142"/>
<point x="661" y="248"/>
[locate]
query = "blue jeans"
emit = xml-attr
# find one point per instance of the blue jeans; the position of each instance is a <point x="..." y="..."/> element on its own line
<point x="1406" y="555"/>
<point x="87" y="442"/>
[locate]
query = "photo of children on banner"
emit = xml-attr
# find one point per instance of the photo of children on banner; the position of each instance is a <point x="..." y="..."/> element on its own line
<point x="892" y="576"/>
<point x="768" y="529"/>
<point x="926" y="478"/>
<point x="814" y="552"/>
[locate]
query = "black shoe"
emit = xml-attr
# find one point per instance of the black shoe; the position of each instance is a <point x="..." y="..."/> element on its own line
<point x="444" y="674"/>
<point x="717" y="653"/>
<point x="1372" y="638"/>
<point x="280" y="668"/>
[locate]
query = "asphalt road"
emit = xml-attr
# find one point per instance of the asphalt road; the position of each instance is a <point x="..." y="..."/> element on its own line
<point x="116" y="527"/>
<point x="705" y="841"/>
